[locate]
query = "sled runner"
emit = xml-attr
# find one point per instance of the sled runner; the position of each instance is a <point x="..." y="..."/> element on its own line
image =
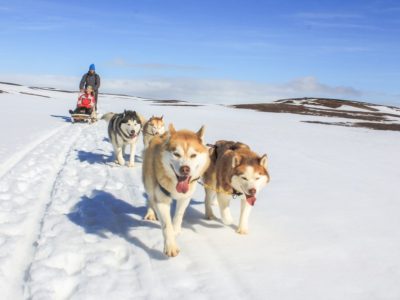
<point x="78" y="117"/>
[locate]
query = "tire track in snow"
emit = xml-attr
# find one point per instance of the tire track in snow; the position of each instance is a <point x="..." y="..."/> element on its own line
<point x="24" y="187"/>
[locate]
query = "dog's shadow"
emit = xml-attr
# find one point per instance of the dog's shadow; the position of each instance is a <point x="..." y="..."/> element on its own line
<point x="104" y="213"/>
<point x="194" y="217"/>
<point x="93" y="158"/>
<point x="99" y="158"/>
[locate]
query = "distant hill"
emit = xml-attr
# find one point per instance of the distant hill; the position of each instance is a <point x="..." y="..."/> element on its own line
<point x="356" y="113"/>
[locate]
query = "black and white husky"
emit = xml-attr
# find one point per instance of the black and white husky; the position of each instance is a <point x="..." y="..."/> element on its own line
<point x="124" y="129"/>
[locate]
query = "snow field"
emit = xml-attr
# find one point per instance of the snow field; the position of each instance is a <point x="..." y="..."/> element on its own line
<point x="71" y="226"/>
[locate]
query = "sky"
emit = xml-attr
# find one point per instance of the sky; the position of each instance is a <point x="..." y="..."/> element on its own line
<point x="207" y="51"/>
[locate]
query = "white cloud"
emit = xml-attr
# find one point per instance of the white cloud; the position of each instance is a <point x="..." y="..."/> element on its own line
<point x="55" y="81"/>
<point x="199" y="90"/>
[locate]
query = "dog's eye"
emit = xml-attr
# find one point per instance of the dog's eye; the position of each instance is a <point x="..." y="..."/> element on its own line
<point x="176" y="154"/>
<point x="244" y="178"/>
<point x="193" y="155"/>
<point x="257" y="178"/>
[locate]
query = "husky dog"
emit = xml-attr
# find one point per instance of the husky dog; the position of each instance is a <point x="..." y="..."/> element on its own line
<point x="124" y="129"/>
<point x="173" y="162"/>
<point x="154" y="126"/>
<point x="234" y="170"/>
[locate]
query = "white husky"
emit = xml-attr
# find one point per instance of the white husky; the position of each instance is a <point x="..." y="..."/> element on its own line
<point x="123" y="130"/>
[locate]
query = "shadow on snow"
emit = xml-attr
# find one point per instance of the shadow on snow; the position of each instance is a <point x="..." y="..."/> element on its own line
<point x="64" y="118"/>
<point x="103" y="213"/>
<point x="93" y="158"/>
<point x="193" y="216"/>
<point x="99" y="158"/>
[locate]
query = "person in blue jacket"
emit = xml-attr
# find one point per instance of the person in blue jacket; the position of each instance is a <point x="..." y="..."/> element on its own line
<point x="91" y="78"/>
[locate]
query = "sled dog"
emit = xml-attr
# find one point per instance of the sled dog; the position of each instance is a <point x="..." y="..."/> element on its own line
<point x="235" y="171"/>
<point x="124" y="129"/>
<point x="173" y="162"/>
<point x="154" y="126"/>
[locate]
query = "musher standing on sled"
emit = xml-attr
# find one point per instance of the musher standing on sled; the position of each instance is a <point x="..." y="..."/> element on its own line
<point x="91" y="78"/>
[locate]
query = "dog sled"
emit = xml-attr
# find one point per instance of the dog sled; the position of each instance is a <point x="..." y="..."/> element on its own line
<point x="85" y="108"/>
<point x="84" y="117"/>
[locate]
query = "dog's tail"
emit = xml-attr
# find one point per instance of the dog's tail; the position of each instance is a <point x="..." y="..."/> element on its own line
<point x="108" y="116"/>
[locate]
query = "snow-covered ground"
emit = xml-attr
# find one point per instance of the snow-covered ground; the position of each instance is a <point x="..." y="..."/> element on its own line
<point x="71" y="224"/>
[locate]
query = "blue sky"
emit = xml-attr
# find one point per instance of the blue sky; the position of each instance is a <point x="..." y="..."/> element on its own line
<point x="218" y="50"/>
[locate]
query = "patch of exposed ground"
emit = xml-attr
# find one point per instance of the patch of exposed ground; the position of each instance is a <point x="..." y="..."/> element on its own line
<point x="50" y="89"/>
<point x="10" y="83"/>
<point x="330" y="103"/>
<point x="31" y="94"/>
<point x="166" y="101"/>
<point x="370" y="117"/>
<point x="370" y="125"/>
<point x="193" y="105"/>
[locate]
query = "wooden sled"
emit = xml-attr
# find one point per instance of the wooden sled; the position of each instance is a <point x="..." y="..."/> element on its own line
<point x="84" y="118"/>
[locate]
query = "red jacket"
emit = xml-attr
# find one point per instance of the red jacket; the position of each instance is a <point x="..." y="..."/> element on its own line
<point x="86" y="100"/>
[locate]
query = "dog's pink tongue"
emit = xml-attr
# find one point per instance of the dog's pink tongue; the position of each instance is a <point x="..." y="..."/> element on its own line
<point x="183" y="185"/>
<point x="251" y="200"/>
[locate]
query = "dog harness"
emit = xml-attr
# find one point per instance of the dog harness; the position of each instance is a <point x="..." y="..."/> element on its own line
<point x="234" y="194"/>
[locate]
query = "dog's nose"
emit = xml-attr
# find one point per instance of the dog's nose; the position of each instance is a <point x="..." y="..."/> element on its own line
<point x="185" y="170"/>
<point x="252" y="192"/>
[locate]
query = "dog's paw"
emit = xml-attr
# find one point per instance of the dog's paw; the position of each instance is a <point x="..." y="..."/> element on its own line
<point x="241" y="230"/>
<point x="210" y="216"/>
<point x="171" y="250"/>
<point x="227" y="220"/>
<point x="120" y="162"/>
<point x="150" y="216"/>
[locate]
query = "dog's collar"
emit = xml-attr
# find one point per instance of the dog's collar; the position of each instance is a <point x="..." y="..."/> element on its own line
<point x="164" y="190"/>
<point x="193" y="180"/>
<point x="236" y="193"/>
<point x="153" y="134"/>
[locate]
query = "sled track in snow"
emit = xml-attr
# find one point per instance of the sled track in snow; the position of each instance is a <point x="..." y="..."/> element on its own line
<point x="26" y="182"/>
<point x="17" y="157"/>
<point x="91" y="226"/>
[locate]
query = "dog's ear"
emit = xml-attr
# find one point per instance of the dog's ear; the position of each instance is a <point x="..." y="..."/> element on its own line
<point x="123" y="115"/>
<point x="264" y="161"/>
<point x="236" y="159"/>
<point x="171" y="128"/>
<point x="142" y="119"/>
<point x="162" y="116"/>
<point x="200" y="133"/>
<point x="212" y="152"/>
